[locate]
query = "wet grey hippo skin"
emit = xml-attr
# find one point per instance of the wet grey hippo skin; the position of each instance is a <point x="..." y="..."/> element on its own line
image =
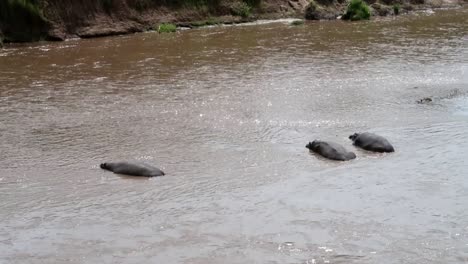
<point x="330" y="150"/>
<point x="424" y="100"/>
<point x="132" y="169"/>
<point x="371" y="142"/>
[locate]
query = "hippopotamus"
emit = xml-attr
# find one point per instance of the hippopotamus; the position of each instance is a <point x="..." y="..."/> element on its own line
<point x="330" y="150"/>
<point x="132" y="169"/>
<point x="425" y="100"/>
<point x="371" y="142"/>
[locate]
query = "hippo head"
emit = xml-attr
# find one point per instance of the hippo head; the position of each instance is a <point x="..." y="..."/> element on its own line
<point x="354" y="136"/>
<point x="424" y="100"/>
<point x="103" y="166"/>
<point x="312" y="145"/>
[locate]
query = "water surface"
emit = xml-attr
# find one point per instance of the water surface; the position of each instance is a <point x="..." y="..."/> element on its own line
<point x="226" y="112"/>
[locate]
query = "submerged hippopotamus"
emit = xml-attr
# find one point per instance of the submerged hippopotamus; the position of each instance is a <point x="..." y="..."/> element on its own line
<point x="425" y="100"/>
<point x="132" y="169"/>
<point x="330" y="150"/>
<point x="371" y="142"/>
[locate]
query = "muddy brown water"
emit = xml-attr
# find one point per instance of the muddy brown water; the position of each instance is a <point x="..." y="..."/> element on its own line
<point x="226" y="112"/>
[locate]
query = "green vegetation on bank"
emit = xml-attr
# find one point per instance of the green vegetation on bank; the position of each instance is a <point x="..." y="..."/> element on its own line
<point x="167" y="28"/>
<point x="245" y="7"/>
<point x="396" y="9"/>
<point x="10" y="9"/>
<point x="297" y="23"/>
<point x="313" y="5"/>
<point x="22" y="20"/>
<point x="311" y="10"/>
<point x="242" y="9"/>
<point x="357" y="10"/>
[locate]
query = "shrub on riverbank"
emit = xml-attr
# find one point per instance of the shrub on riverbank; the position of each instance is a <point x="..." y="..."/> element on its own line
<point x="21" y="20"/>
<point x="242" y="9"/>
<point x="167" y="28"/>
<point x="311" y="10"/>
<point x="396" y="9"/>
<point x="12" y="8"/>
<point x="357" y="10"/>
<point x="245" y="7"/>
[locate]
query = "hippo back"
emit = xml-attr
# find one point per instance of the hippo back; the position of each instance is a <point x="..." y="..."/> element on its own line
<point x="334" y="151"/>
<point x="134" y="169"/>
<point x="373" y="142"/>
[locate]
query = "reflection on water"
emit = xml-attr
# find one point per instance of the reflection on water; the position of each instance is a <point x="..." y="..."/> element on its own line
<point x="226" y="112"/>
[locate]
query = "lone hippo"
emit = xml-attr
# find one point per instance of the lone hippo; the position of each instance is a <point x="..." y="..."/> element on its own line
<point x="425" y="100"/>
<point x="330" y="150"/>
<point x="371" y="142"/>
<point x="132" y="169"/>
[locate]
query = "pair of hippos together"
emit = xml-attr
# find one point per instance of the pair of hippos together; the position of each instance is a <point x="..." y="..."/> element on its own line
<point x="367" y="141"/>
<point x="329" y="150"/>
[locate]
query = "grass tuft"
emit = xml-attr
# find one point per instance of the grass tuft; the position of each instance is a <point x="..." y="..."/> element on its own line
<point x="297" y="23"/>
<point x="357" y="10"/>
<point x="167" y="28"/>
<point x="242" y="9"/>
<point x="10" y="9"/>
<point x="396" y="9"/>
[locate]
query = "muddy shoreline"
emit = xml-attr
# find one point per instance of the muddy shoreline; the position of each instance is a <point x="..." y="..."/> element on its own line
<point x="72" y="19"/>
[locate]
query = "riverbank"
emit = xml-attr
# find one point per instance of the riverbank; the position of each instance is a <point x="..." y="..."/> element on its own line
<point x="33" y="20"/>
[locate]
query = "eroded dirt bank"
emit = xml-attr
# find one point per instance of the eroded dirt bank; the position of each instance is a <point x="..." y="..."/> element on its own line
<point x="62" y="19"/>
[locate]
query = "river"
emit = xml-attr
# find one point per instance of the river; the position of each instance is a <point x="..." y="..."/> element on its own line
<point x="226" y="112"/>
